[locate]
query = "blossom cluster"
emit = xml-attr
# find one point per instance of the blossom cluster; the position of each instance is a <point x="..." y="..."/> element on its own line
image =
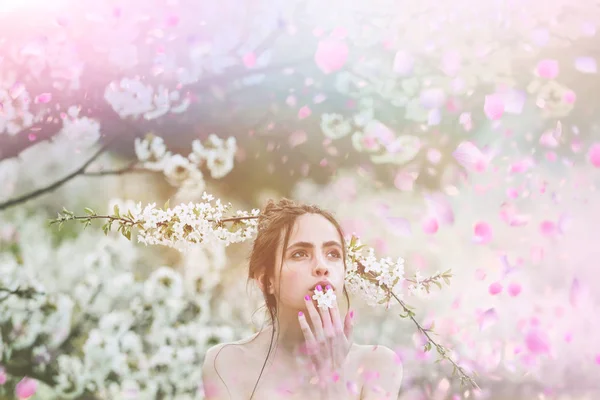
<point x="92" y="325"/>
<point x="184" y="225"/>
<point x="184" y="172"/>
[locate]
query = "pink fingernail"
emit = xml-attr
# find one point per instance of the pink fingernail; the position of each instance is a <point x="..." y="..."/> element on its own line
<point x="328" y="287"/>
<point x="319" y="288"/>
<point x="300" y="313"/>
<point x="307" y="297"/>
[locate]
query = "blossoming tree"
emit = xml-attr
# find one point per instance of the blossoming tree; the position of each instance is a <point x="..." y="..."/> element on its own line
<point x="232" y="93"/>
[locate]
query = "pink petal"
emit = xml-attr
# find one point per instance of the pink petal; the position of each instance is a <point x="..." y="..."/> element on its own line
<point x="439" y="206"/>
<point x="26" y="388"/>
<point x="548" y="228"/>
<point x="537" y="342"/>
<point x="480" y="274"/>
<point x="297" y="138"/>
<point x="249" y="60"/>
<point x="2" y="375"/>
<point x="537" y="254"/>
<point x="575" y="293"/>
<point x="430" y="226"/>
<point x="487" y="319"/>
<point x="43" y="98"/>
<point x="594" y="155"/>
<point x="521" y="166"/>
<point x="586" y="65"/>
<point x="514" y="289"/>
<point x="399" y="225"/>
<point x="470" y="156"/>
<point x="483" y="233"/>
<point x="547" y="69"/>
<point x="495" y="288"/>
<point x="331" y="55"/>
<point x="569" y="97"/>
<point x="304" y="112"/>
<point x="403" y="63"/>
<point x="404" y="180"/>
<point x="493" y="106"/>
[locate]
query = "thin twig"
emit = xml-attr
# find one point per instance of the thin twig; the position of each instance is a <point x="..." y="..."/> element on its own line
<point x="128" y="168"/>
<point x="441" y="350"/>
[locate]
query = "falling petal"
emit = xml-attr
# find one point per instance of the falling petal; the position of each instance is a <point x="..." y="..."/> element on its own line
<point x="575" y="293"/>
<point x="514" y="289"/>
<point x="470" y="157"/>
<point x="480" y="274"/>
<point x="399" y="225"/>
<point x="586" y="65"/>
<point x="403" y="63"/>
<point x="439" y="206"/>
<point x="304" y="112"/>
<point x="537" y="342"/>
<point x="432" y="98"/>
<point x="430" y="226"/>
<point x="537" y="254"/>
<point x="331" y="55"/>
<point x="43" y="98"/>
<point x="493" y="106"/>
<point x="547" y="69"/>
<point x="521" y="166"/>
<point x="495" y="288"/>
<point x="249" y="60"/>
<point x="483" y="233"/>
<point x="594" y="155"/>
<point x="507" y="267"/>
<point x="26" y="388"/>
<point x="548" y="228"/>
<point x="297" y="138"/>
<point x="487" y="319"/>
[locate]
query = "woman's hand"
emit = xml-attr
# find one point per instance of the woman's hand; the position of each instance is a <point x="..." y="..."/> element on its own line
<point x="328" y="346"/>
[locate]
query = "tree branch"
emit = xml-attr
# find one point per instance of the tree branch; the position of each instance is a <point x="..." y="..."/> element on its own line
<point x="32" y="195"/>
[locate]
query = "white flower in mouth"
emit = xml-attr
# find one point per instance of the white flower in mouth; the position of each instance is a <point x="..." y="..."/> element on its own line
<point x="324" y="300"/>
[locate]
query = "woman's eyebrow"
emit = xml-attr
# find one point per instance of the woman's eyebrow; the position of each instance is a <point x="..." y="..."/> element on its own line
<point x="308" y="245"/>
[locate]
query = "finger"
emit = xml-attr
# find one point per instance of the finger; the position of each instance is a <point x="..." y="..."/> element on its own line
<point x="349" y="325"/>
<point x="315" y="319"/>
<point x="326" y="318"/>
<point x="310" y="347"/>
<point x="336" y="319"/>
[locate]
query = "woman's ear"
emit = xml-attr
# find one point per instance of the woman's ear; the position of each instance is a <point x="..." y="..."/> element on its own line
<point x="270" y="289"/>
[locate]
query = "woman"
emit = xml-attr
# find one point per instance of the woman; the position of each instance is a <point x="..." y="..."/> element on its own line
<point x="312" y="355"/>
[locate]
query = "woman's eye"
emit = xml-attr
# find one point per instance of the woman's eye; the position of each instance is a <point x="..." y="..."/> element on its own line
<point x="337" y="254"/>
<point x="298" y="252"/>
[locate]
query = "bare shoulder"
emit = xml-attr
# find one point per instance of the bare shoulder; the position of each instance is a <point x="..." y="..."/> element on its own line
<point x="217" y="377"/>
<point x="384" y="370"/>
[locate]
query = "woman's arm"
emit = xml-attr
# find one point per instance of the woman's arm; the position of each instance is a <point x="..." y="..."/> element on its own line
<point x="383" y="373"/>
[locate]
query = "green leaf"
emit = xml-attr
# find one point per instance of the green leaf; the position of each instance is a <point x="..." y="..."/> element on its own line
<point x="439" y="285"/>
<point x="89" y="211"/>
<point x="116" y="210"/>
<point x="167" y="204"/>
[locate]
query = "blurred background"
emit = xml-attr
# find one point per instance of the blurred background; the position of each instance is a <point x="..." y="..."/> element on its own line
<point x="458" y="135"/>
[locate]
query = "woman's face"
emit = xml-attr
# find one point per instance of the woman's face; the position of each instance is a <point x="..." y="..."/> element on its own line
<point x="313" y="254"/>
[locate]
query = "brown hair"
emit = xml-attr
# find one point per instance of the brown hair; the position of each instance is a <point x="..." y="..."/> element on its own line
<point x="274" y="220"/>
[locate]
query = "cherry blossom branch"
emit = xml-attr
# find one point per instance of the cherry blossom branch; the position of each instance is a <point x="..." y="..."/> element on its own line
<point x="53" y="186"/>
<point x="442" y="351"/>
